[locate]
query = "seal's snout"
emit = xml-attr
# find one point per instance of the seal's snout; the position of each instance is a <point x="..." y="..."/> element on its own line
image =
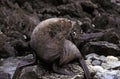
<point x="73" y="23"/>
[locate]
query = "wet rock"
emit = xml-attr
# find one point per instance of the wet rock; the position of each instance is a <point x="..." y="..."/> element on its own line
<point x="111" y="65"/>
<point x="109" y="75"/>
<point x="96" y="62"/>
<point x="29" y="73"/>
<point x="70" y="9"/>
<point x="92" y="56"/>
<point x="28" y="7"/>
<point x="90" y="36"/>
<point x="21" y="47"/>
<point x="107" y="35"/>
<point x="102" y="73"/>
<point x="86" y="25"/>
<point x="111" y="59"/>
<point x="102" y="48"/>
<point x="111" y="62"/>
<point x="88" y="6"/>
<point x="98" y="69"/>
<point x="104" y="3"/>
<point x="56" y="3"/>
<point x="6" y="50"/>
<point x="4" y="75"/>
<point x="10" y="64"/>
<point x="102" y="58"/>
<point x="40" y="72"/>
<point x="111" y="37"/>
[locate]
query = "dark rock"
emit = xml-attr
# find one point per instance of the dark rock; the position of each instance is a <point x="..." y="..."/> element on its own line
<point x="6" y="50"/>
<point x="102" y="48"/>
<point x="10" y="64"/>
<point x="86" y="25"/>
<point x="56" y="2"/>
<point x="21" y="47"/>
<point x="88" y="6"/>
<point x="111" y="37"/>
<point x="108" y="35"/>
<point x="106" y="4"/>
<point x="40" y="72"/>
<point x="84" y="38"/>
<point x="72" y="9"/>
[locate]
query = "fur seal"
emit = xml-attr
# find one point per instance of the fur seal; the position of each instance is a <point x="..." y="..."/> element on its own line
<point x="49" y="41"/>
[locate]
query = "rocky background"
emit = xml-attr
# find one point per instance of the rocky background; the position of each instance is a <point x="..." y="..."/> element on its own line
<point x="98" y="41"/>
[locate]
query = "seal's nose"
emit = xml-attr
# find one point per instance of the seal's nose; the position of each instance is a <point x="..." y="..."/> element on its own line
<point x="73" y="23"/>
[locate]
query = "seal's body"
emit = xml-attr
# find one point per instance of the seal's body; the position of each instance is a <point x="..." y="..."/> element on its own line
<point x="48" y="38"/>
<point x="49" y="42"/>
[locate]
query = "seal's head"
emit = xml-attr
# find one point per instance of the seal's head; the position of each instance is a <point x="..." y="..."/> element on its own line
<point x="58" y="26"/>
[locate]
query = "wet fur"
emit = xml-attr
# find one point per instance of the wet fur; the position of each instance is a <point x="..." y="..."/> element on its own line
<point x="49" y="42"/>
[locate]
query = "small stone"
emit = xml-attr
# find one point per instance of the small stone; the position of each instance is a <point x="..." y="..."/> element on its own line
<point x="111" y="59"/>
<point x="102" y="58"/>
<point x="92" y="56"/>
<point x="110" y="65"/>
<point x="96" y="62"/>
<point x="93" y="25"/>
<point x="114" y="74"/>
<point x="78" y="77"/>
<point x="98" y="69"/>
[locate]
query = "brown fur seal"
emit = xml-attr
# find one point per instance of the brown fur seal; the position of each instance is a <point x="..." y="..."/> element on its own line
<point x="50" y="44"/>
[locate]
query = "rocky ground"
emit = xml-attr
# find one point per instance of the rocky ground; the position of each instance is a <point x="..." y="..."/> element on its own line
<point x="99" y="39"/>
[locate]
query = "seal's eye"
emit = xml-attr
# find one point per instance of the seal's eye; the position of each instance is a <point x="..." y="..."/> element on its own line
<point x="74" y="34"/>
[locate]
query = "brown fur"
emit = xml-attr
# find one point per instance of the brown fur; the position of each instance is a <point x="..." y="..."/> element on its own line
<point x="50" y="44"/>
<point x="49" y="41"/>
<point x="48" y="38"/>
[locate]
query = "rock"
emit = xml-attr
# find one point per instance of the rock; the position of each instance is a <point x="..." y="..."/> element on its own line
<point x="114" y="74"/>
<point x="111" y="62"/>
<point x="107" y="35"/>
<point x="102" y="58"/>
<point x="98" y="69"/>
<point x="111" y="59"/>
<point x="4" y="75"/>
<point x="102" y="48"/>
<point x="111" y="36"/>
<point x="89" y="36"/>
<point x="92" y="56"/>
<point x="88" y="6"/>
<point x="42" y="73"/>
<point x="10" y="64"/>
<point x="96" y="62"/>
<point x="78" y="77"/>
<point x="86" y="37"/>
<point x="29" y="73"/>
<point x="70" y="9"/>
<point x="102" y="73"/>
<point x="111" y="65"/>
<point x="20" y="46"/>
<point x="6" y="50"/>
